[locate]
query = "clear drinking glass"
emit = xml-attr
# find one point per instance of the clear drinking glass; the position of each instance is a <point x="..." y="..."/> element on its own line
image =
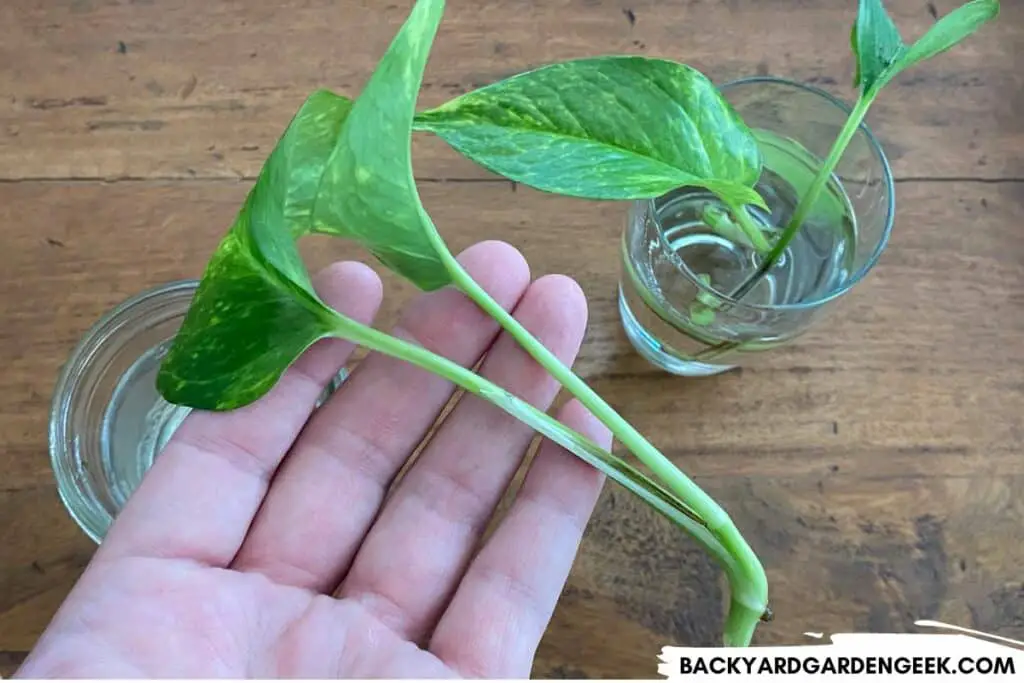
<point x="108" y="423"/>
<point x="679" y="274"/>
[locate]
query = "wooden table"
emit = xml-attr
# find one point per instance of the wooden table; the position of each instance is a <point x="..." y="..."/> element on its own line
<point x="876" y="466"/>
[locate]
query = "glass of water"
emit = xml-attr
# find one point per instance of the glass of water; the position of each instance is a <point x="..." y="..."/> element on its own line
<point x="683" y="259"/>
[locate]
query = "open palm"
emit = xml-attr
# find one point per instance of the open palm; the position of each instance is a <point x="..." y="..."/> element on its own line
<point x="274" y="541"/>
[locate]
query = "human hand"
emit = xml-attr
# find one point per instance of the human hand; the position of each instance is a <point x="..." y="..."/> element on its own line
<point x="263" y="545"/>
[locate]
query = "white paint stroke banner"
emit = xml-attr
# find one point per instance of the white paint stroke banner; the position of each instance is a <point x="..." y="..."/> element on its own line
<point x="964" y="656"/>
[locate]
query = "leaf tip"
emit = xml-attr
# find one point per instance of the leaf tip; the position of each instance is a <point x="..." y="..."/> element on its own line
<point x="175" y="390"/>
<point x="757" y="200"/>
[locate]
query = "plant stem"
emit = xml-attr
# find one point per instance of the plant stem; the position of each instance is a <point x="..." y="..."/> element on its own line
<point x="543" y="423"/>
<point x="751" y="229"/>
<point x="749" y="585"/>
<point x="744" y="230"/>
<point x="849" y="129"/>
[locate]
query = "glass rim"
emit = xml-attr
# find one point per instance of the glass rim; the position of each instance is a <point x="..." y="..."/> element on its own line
<point x="71" y="386"/>
<point x="861" y="273"/>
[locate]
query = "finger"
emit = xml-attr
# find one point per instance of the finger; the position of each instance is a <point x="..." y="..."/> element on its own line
<point x="414" y="555"/>
<point x="330" y="490"/>
<point x="200" y="496"/>
<point x="495" y="621"/>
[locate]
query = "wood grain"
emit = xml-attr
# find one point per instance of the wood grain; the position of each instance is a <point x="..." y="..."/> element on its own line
<point x="875" y="465"/>
<point x="184" y="89"/>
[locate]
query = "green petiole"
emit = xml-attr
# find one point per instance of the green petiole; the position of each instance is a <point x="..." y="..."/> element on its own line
<point x="705" y="519"/>
<point x="744" y="231"/>
<point x="809" y="198"/>
<point x="720" y="538"/>
<point x="747" y="579"/>
<point x="752" y="231"/>
<point x="543" y="423"/>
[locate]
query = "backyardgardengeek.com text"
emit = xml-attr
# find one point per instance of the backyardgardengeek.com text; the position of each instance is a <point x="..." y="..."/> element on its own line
<point x="847" y="665"/>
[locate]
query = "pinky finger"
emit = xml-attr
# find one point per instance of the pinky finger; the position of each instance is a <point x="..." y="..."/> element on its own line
<point x="504" y="603"/>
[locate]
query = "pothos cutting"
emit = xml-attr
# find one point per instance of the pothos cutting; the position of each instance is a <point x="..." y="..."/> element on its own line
<point x="609" y="128"/>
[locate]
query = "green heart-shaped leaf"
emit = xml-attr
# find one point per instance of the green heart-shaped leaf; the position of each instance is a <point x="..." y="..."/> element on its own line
<point x="296" y="166"/>
<point x="255" y="310"/>
<point x="368" y="192"/>
<point x="622" y="127"/>
<point x="253" y="314"/>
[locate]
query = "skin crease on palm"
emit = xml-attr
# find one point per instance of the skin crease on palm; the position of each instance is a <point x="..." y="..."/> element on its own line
<point x="261" y="544"/>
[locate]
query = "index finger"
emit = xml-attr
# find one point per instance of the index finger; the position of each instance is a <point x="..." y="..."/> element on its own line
<point x="202" y="492"/>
